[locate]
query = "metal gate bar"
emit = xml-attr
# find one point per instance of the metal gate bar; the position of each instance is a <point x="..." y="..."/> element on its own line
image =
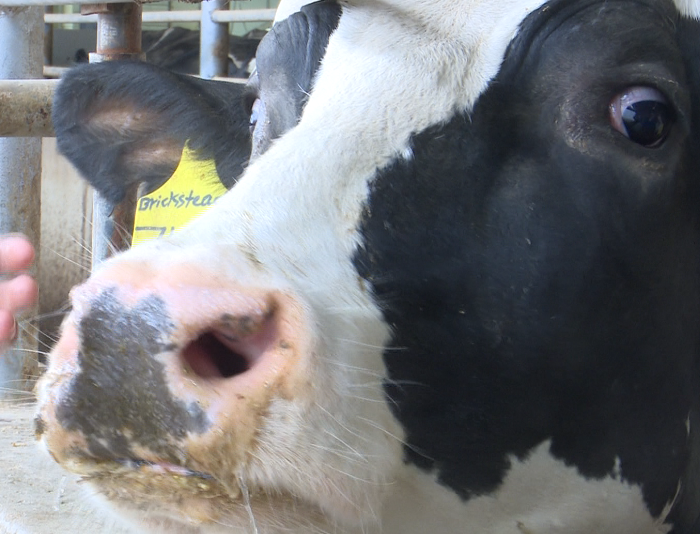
<point x="26" y="108"/>
<point x="21" y="56"/>
<point x="217" y="15"/>
<point x="213" y="42"/>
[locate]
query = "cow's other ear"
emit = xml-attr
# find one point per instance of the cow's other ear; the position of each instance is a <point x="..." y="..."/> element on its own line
<point x="125" y="123"/>
<point x="287" y="60"/>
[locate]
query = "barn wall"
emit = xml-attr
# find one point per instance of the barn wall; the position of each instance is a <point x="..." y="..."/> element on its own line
<point x="66" y="202"/>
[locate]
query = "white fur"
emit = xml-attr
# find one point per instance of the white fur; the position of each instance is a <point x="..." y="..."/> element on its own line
<point x="8" y="526"/>
<point x="689" y="8"/>
<point x="288" y="7"/>
<point x="540" y="495"/>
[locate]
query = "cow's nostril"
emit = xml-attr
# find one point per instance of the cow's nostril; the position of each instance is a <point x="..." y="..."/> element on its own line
<point x="210" y="357"/>
<point x="230" y="346"/>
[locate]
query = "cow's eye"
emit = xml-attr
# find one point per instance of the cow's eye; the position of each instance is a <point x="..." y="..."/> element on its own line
<point x="642" y="114"/>
<point x="254" y="114"/>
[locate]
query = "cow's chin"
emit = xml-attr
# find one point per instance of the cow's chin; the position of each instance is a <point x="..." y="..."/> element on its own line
<point x="159" y="498"/>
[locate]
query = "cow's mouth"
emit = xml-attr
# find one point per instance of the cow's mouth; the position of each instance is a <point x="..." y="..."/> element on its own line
<point x="131" y="468"/>
<point x="157" y="482"/>
<point x="161" y="491"/>
<point x="162" y="494"/>
<point x="163" y="468"/>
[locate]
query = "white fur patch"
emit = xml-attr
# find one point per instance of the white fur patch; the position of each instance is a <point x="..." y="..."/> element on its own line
<point x="540" y="495"/>
<point x="289" y="7"/>
<point x="689" y="8"/>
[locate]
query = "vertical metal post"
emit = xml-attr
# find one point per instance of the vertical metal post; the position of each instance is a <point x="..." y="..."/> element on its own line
<point x="213" y="44"/>
<point x="118" y="31"/>
<point x="21" y="56"/>
<point x="118" y="37"/>
<point x="48" y="39"/>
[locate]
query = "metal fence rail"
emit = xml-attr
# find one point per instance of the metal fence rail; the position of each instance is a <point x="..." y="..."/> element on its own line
<point x="26" y="108"/>
<point x="42" y="3"/>
<point x="218" y="15"/>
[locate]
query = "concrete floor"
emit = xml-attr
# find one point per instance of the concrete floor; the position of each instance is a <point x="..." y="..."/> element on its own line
<point x="36" y="496"/>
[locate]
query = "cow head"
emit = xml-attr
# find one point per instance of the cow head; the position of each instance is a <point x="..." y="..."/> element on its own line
<point x="462" y="294"/>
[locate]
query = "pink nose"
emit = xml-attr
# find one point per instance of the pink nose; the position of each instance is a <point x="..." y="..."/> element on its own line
<point x="153" y="364"/>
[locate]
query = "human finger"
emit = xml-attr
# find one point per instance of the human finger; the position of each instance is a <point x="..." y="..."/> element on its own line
<point x="16" y="253"/>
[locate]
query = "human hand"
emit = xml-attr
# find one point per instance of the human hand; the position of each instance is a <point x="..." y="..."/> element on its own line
<point x="20" y="290"/>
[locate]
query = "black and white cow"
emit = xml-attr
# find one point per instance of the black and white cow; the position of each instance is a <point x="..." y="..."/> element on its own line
<point x="461" y="295"/>
<point x="177" y="49"/>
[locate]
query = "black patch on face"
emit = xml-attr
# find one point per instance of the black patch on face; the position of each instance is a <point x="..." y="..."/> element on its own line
<point x="120" y="398"/>
<point x="540" y="271"/>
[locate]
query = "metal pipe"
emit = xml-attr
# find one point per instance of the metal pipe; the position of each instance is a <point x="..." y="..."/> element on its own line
<point x="26" y="105"/>
<point x="243" y="15"/>
<point x="213" y="42"/>
<point x="48" y="39"/>
<point x="118" y="37"/>
<point x="21" y="56"/>
<point x="54" y="72"/>
<point x="26" y="108"/>
<point x="42" y="3"/>
<point x="218" y="15"/>
<point x="118" y="31"/>
<point x="22" y="3"/>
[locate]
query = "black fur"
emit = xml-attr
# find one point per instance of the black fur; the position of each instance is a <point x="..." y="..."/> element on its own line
<point x="119" y="417"/>
<point x="177" y="49"/>
<point x="110" y="118"/>
<point x="540" y="270"/>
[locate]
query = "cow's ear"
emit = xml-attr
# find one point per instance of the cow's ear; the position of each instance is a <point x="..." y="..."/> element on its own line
<point x="123" y="124"/>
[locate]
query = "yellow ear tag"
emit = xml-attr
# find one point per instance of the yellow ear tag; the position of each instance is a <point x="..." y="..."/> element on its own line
<point x="191" y="190"/>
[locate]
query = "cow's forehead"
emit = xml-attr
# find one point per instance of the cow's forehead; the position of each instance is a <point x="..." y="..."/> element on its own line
<point x="689" y="8"/>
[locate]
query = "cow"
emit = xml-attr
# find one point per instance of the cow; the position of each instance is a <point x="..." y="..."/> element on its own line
<point x="462" y="294"/>
<point x="123" y="124"/>
<point x="177" y="49"/>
